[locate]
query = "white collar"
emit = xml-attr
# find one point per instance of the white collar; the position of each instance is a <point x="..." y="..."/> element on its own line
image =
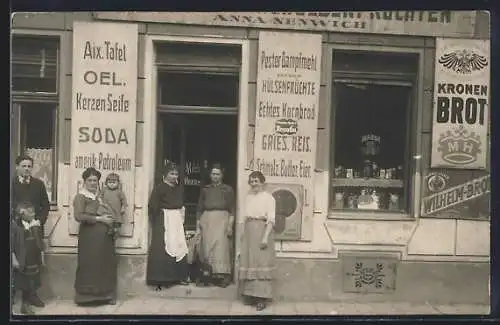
<point x="21" y="179"/>
<point x="32" y="223"/>
<point x="88" y="194"/>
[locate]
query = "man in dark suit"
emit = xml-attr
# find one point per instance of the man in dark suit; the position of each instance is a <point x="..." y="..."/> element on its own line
<point x="26" y="188"/>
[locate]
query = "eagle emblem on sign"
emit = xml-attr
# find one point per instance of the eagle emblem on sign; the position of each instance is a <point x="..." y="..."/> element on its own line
<point x="463" y="61"/>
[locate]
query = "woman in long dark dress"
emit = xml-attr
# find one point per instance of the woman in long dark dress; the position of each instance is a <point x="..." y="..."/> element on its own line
<point x="167" y="257"/>
<point x="96" y="273"/>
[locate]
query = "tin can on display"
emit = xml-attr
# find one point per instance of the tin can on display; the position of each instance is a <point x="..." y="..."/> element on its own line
<point x="382" y="173"/>
<point x="339" y="200"/>
<point x="349" y="173"/>
<point x="388" y="173"/>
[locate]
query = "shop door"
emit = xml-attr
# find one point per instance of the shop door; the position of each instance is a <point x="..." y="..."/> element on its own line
<point x="194" y="142"/>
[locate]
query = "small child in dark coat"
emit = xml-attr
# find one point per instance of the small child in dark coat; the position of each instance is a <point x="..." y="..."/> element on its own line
<point x="115" y="200"/>
<point x="27" y="246"/>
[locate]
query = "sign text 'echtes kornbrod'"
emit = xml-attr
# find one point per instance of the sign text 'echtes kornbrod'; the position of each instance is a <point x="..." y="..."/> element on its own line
<point x="103" y="117"/>
<point x="288" y="84"/>
<point x="461" y="104"/>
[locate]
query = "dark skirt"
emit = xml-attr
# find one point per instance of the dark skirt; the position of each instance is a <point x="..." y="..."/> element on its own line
<point x="96" y="273"/>
<point x="162" y="269"/>
<point x="28" y="279"/>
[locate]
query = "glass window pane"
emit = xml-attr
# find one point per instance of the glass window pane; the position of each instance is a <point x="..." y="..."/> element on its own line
<point x="38" y="129"/>
<point x="371" y="123"/>
<point x="34" y="64"/>
<point x="198" y="89"/>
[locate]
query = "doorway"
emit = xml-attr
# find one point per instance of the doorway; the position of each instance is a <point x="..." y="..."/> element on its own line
<point x="194" y="142"/>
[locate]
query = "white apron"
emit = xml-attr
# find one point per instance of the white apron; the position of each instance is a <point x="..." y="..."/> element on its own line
<point x="175" y="240"/>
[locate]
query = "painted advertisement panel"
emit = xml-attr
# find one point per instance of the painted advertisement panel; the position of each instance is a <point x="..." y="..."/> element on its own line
<point x="461" y="104"/>
<point x="103" y="112"/>
<point x="288" y="83"/>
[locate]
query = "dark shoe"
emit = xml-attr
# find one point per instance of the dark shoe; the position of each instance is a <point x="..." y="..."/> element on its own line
<point x="261" y="306"/>
<point x="26" y="309"/>
<point x="36" y="301"/>
<point x="158" y="288"/>
<point x="247" y="301"/>
<point x="225" y="282"/>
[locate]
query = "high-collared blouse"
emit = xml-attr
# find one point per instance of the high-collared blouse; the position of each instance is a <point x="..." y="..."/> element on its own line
<point x="165" y="196"/>
<point x="216" y="197"/>
<point x="261" y="205"/>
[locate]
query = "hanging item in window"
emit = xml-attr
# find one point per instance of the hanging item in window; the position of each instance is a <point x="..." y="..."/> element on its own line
<point x="370" y="147"/>
<point x="42" y="166"/>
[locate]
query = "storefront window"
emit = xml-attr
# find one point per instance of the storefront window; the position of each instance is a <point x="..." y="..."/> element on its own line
<point x="371" y="138"/>
<point x="34" y="64"/>
<point x="198" y="89"/>
<point x="35" y="97"/>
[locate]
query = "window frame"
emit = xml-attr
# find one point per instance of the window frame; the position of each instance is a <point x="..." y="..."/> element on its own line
<point x="20" y="98"/>
<point x="175" y="63"/>
<point x="412" y="153"/>
<point x="195" y="109"/>
<point x="41" y="94"/>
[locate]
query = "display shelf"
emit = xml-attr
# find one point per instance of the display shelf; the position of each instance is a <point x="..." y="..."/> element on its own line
<point x="370" y="182"/>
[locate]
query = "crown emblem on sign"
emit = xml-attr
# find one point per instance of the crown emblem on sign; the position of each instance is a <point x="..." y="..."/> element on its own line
<point x="459" y="147"/>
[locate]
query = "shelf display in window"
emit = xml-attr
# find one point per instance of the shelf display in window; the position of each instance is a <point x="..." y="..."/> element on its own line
<point x="371" y="148"/>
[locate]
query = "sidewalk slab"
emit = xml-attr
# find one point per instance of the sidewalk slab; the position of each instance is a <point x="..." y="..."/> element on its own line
<point x="463" y="309"/>
<point x="190" y="306"/>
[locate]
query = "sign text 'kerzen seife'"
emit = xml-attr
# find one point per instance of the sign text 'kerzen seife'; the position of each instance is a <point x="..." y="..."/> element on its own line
<point x="103" y="119"/>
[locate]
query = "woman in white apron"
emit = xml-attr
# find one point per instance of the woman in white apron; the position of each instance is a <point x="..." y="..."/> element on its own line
<point x="167" y="257"/>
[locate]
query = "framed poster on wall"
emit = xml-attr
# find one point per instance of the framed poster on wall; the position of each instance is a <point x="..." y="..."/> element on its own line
<point x="461" y="104"/>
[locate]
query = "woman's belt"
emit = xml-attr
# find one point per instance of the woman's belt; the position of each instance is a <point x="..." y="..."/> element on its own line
<point x="261" y="218"/>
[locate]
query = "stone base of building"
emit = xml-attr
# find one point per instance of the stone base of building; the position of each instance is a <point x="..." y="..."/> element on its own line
<point x="307" y="280"/>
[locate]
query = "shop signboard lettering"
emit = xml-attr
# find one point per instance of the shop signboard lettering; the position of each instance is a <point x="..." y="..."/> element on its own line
<point x="461" y="104"/>
<point x="423" y="22"/>
<point x="457" y="194"/>
<point x="288" y="82"/>
<point x="103" y="111"/>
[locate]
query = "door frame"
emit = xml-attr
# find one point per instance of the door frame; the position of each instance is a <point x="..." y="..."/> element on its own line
<point x="151" y="116"/>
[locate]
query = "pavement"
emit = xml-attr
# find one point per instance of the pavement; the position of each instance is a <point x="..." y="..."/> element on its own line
<point x="149" y="305"/>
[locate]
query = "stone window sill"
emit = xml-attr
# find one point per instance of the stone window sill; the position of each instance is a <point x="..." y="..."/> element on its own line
<point x="374" y="216"/>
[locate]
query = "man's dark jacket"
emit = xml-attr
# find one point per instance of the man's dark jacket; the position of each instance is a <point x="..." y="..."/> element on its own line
<point x="35" y="193"/>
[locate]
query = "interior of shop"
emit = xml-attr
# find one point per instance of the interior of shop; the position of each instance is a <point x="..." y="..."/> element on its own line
<point x="195" y="142"/>
<point x="371" y="142"/>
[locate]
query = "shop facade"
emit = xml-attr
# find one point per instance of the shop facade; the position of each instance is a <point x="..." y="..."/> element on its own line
<point x="346" y="114"/>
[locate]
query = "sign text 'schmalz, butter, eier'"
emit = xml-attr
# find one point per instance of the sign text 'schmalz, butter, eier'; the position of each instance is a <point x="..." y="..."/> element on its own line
<point x="288" y="82"/>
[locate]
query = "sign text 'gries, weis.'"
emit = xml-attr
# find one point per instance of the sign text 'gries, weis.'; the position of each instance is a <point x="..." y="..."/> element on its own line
<point x="286" y="119"/>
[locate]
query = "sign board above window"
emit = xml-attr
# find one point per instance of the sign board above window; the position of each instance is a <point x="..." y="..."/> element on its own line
<point x="418" y="23"/>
